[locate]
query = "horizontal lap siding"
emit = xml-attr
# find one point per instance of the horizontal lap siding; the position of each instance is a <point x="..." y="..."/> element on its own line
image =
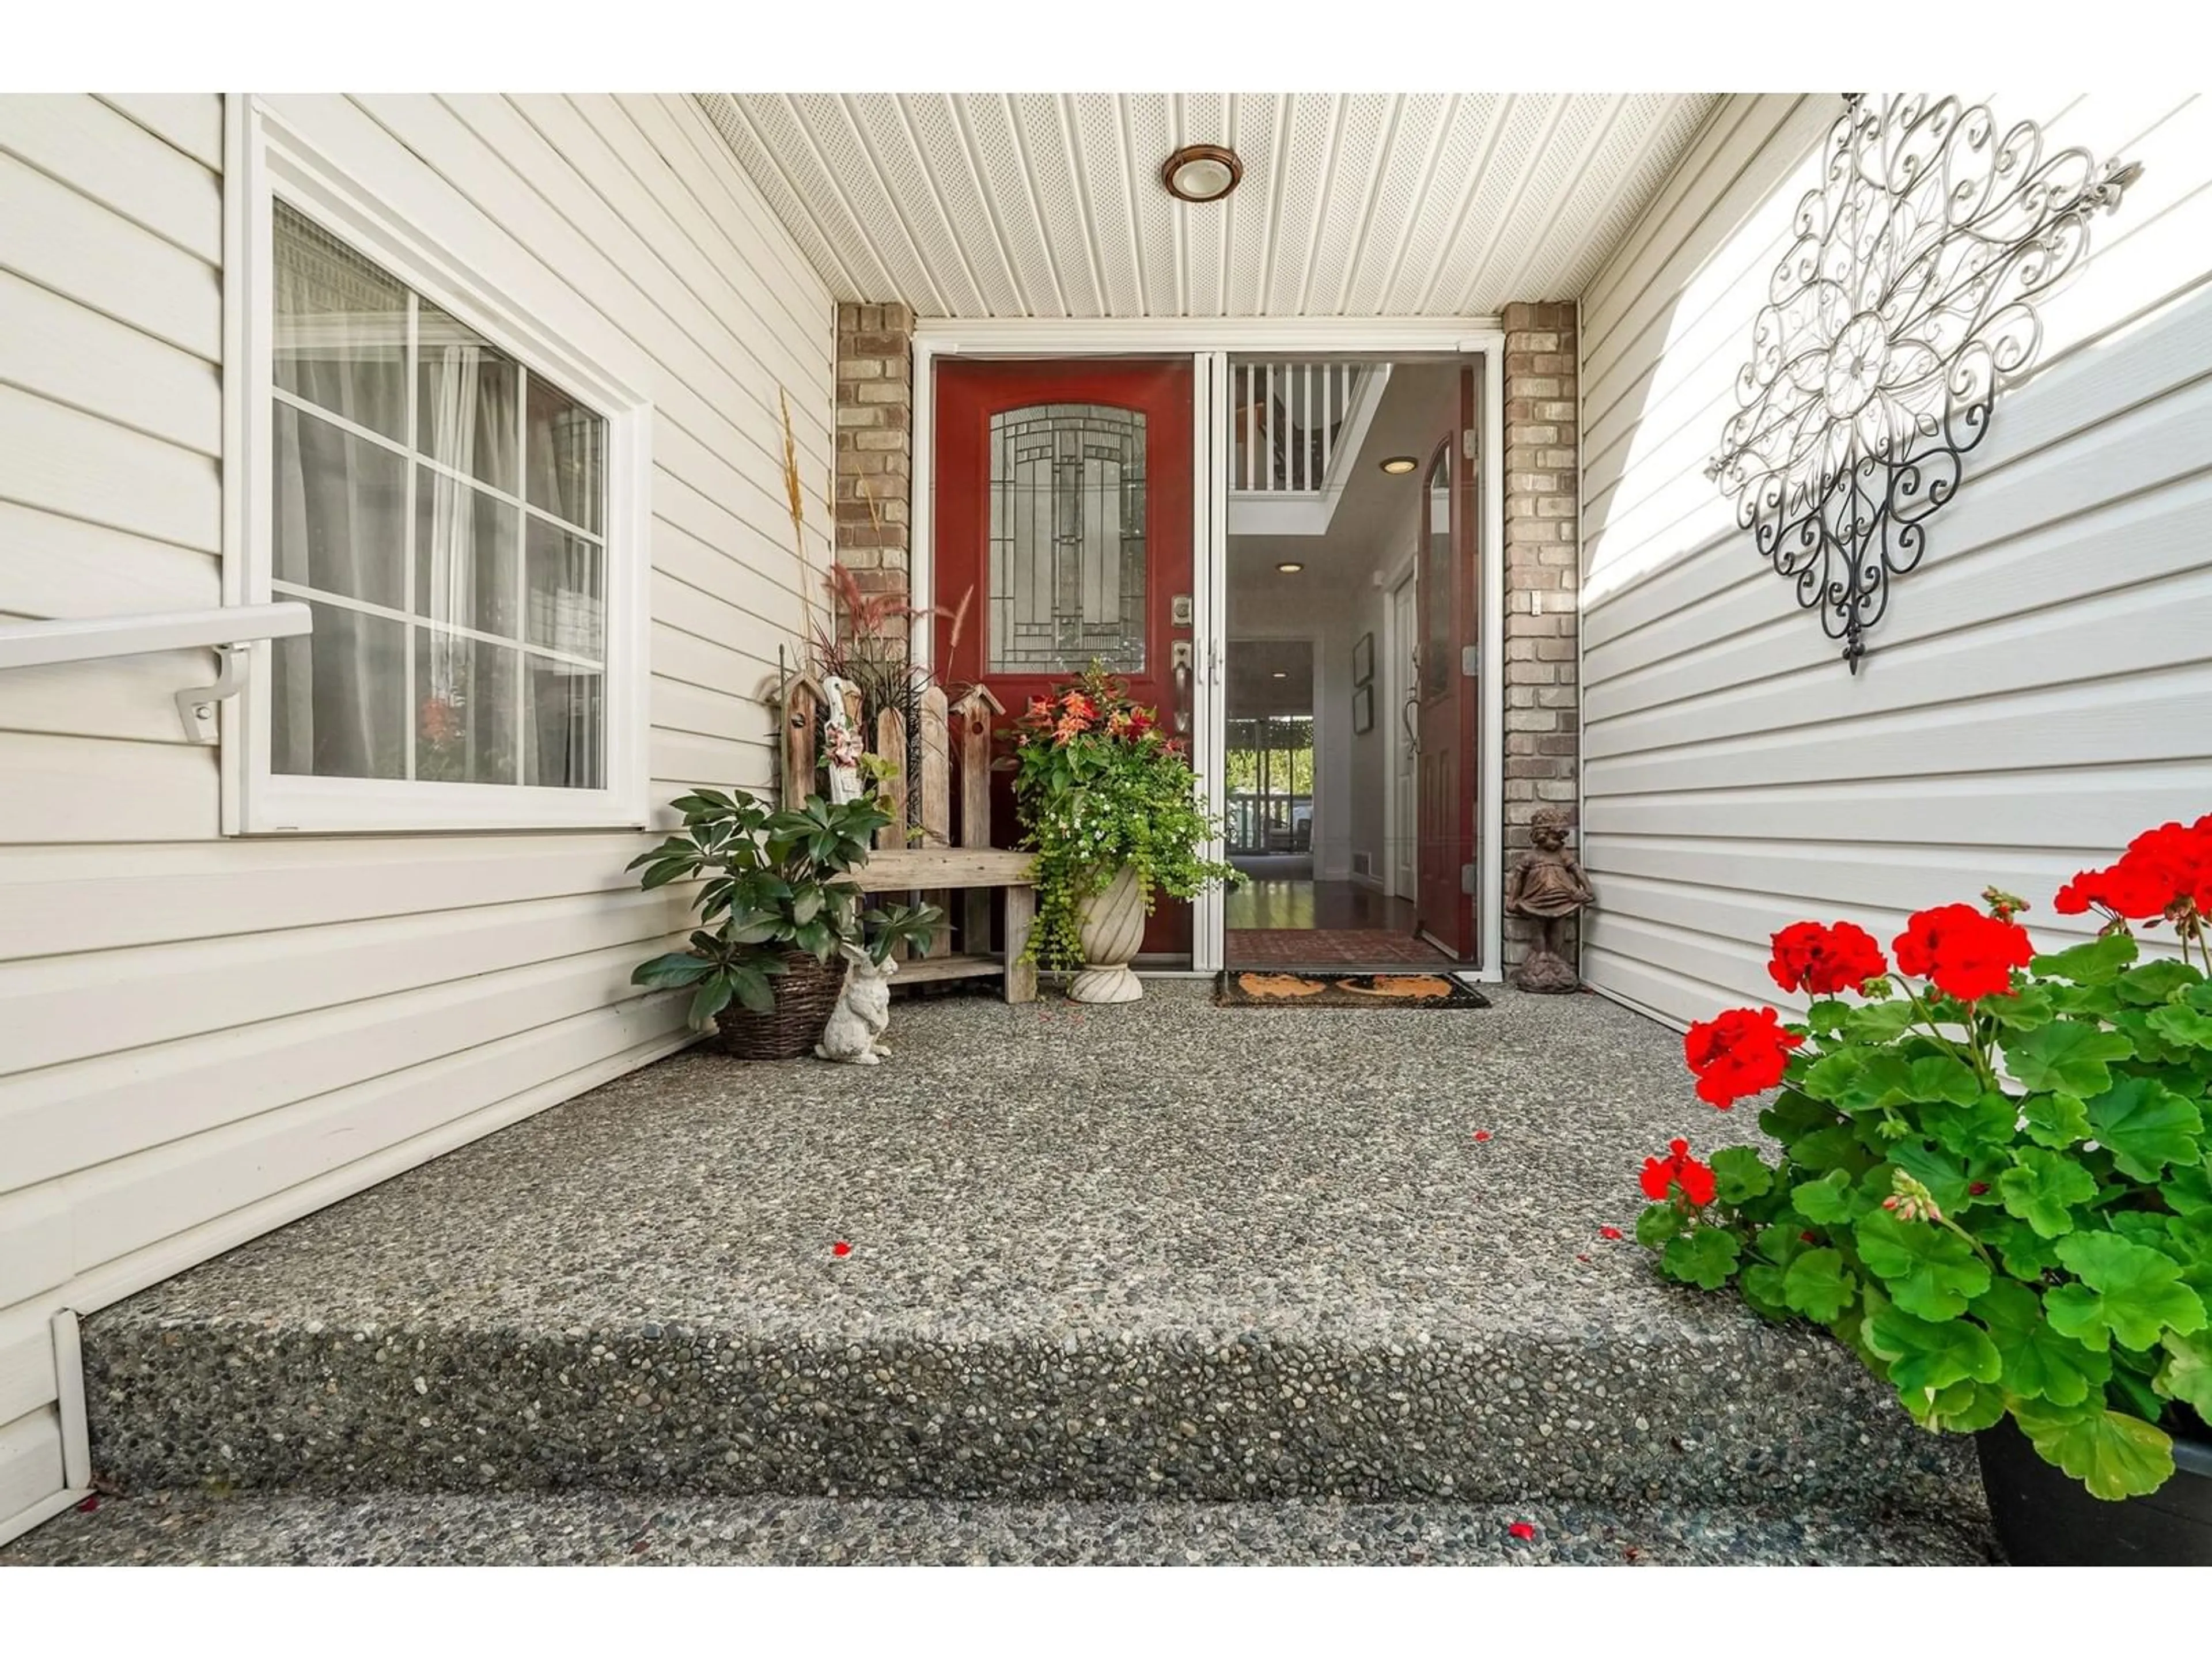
<point x="201" y="1038"/>
<point x="2042" y="686"/>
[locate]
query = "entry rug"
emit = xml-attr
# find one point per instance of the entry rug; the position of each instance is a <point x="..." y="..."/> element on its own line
<point x="1250" y="988"/>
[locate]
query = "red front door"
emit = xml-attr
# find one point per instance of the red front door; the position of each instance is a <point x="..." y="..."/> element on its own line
<point x="1063" y="504"/>
<point x="1448" y="599"/>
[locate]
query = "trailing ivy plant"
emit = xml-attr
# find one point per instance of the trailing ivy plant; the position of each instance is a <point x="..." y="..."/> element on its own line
<point x="1994" y="1185"/>
<point x="1099" y="786"/>
<point x="776" y="883"/>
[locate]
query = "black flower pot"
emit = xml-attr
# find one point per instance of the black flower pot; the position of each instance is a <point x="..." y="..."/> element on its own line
<point x="2045" y="1518"/>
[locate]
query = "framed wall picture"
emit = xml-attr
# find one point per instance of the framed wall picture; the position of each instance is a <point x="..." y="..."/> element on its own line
<point x="1363" y="709"/>
<point x="1363" y="662"/>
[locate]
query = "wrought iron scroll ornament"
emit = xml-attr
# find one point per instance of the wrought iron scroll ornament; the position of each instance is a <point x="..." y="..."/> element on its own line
<point x="1901" y="308"/>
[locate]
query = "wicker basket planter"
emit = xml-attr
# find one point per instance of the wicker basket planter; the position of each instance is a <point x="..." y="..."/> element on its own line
<point x="804" y="996"/>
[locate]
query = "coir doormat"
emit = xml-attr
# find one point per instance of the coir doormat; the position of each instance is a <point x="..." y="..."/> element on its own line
<point x="1251" y="987"/>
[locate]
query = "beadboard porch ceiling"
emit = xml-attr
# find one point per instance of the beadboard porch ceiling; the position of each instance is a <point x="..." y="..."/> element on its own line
<point x="1366" y="204"/>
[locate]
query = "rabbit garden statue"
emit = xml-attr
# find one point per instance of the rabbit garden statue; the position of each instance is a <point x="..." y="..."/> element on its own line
<point x="862" y="1014"/>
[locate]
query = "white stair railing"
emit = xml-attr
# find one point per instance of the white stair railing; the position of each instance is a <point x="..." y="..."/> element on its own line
<point x="1288" y="418"/>
<point x="231" y="630"/>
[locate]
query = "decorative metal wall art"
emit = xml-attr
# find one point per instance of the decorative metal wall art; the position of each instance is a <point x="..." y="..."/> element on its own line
<point x="1901" y="308"/>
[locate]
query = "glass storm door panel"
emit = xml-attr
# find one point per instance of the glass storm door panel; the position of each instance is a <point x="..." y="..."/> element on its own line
<point x="1063" y="521"/>
<point x="1448" y="627"/>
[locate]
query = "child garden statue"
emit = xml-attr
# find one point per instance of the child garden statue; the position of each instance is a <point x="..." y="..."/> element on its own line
<point x="1546" y="886"/>
<point x="841" y="743"/>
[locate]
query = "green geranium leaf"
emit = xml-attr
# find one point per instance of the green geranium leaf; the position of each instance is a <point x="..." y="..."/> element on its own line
<point x="1930" y="1271"/>
<point x="2149" y="984"/>
<point x="1939" y="1076"/>
<point x="1923" y="1354"/>
<point x="1706" y="1257"/>
<point x="1881" y="1022"/>
<point x="1658" y="1224"/>
<point x="2042" y="1190"/>
<point x="2152" y="1044"/>
<point x="2188" y="1189"/>
<point x="2147" y="1125"/>
<point x="2129" y="1293"/>
<point x="1836" y="1147"/>
<point x="1943" y="1176"/>
<point x="2025" y="1254"/>
<point x="1825" y="1017"/>
<point x="1838" y="1078"/>
<point x="2113" y="1455"/>
<point x="1817" y="1285"/>
<point x="2097" y="962"/>
<point x="2182" y="1025"/>
<point x="2067" y="1055"/>
<point x="2038" y="1363"/>
<point x="2186" y="1374"/>
<point x="2059" y="1120"/>
<point x="1793" y="1114"/>
<point x="1761" y="1285"/>
<point x="2031" y="1005"/>
<point x="1825" y="1202"/>
<point x="1738" y="1175"/>
<point x="1962" y="1408"/>
<point x="1990" y="1121"/>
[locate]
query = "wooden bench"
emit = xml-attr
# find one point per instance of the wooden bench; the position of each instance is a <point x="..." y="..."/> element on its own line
<point x="938" y="869"/>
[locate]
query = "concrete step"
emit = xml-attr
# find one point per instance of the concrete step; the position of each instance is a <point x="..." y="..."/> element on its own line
<point x="1735" y="1414"/>
<point x="587" y="1529"/>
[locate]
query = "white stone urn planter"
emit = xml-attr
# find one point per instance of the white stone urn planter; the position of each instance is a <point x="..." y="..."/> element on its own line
<point x="1112" y="931"/>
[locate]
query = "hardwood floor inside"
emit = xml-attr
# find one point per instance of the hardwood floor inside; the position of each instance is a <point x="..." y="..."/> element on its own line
<point x="1321" y="924"/>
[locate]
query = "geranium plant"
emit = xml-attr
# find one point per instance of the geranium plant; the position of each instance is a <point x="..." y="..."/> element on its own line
<point x="776" y="883"/>
<point x="1993" y="1184"/>
<point x="1098" y="786"/>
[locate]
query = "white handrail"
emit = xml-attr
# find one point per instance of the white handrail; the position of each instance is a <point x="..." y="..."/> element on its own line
<point x="35" y="644"/>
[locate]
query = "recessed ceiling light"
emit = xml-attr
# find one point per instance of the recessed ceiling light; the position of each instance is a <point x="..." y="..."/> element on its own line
<point x="1282" y="674"/>
<point x="1290" y="569"/>
<point x="1201" y="173"/>
<point x="1398" y="464"/>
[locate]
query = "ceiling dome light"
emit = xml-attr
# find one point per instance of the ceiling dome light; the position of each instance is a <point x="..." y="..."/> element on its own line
<point x="1399" y="464"/>
<point x="1289" y="569"/>
<point x="1201" y="173"/>
<point x="1282" y="674"/>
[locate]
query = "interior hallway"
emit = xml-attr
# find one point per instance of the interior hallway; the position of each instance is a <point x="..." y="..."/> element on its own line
<point x="1321" y="924"/>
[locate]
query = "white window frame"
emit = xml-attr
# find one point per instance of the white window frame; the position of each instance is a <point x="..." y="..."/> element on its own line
<point x="268" y="159"/>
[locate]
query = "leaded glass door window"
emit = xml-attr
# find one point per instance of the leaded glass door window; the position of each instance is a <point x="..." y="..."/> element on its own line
<point x="1067" y="554"/>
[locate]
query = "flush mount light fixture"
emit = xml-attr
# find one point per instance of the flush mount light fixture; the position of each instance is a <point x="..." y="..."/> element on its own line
<point x="1398" y="464"/>
<point x="1282" y="674"/>
<point x="1201" y="173"/>
<point x="1291" y="570"/>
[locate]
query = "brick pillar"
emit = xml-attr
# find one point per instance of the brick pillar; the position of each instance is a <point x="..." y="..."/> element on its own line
<point x="875" y="441"/>
<point x="1542" y="555"/>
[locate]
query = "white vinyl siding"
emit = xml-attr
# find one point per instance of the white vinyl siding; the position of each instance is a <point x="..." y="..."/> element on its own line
<point x="203" y="1037"/>
<point x="2041" y="689"/>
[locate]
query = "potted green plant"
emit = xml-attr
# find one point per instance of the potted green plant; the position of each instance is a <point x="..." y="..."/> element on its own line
<point x="1106" y="801"/>
<point x="1993" y="1187"/>
<point x="777" y="909"/>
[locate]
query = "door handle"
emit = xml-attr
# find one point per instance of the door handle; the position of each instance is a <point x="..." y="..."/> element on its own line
<point x="1180" y="655"/>
<point x="1412" y="702"/>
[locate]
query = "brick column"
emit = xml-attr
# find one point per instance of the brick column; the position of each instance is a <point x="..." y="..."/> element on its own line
<point x="875" y="441"/>
<point x="1542" y="551"/>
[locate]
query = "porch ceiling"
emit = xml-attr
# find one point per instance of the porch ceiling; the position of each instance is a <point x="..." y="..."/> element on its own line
<point x="1365" y="204"/>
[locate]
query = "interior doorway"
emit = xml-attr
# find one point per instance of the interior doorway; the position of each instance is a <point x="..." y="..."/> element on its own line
<point x="1344" y="761"/>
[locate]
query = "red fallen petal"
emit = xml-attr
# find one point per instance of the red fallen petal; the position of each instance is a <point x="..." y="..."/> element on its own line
<point x="1608" y="1232"/>
<point x="1482" y="1134"/>
<point x="840" y="1247"/>
<point x="1521" y="1530"/>
<point x="1582" y="1258"/>
<point x="90" y="1504"/>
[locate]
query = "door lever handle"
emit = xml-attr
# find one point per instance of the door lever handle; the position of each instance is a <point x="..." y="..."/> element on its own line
<point x="1181" y="654"/>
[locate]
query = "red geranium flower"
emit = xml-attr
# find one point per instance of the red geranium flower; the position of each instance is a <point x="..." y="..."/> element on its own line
<point x="1741" y="1052"/>
<point x="1824" y="960"/>
<point x="2164" y="870"/>
<point x="1965" y="953"/>
<point x="1678" y="1169"/>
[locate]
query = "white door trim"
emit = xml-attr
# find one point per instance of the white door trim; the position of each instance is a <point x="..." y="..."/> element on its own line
<point x="1208" y="340"/>
<point x="1397" y="683"/>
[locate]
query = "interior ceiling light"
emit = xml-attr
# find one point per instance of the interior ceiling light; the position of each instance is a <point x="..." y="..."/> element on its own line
<point x="1201" y="173"/>
<point x="1398" y="464"/>
<point x="1289" y="569"/>
<point x="1282" y="674"/>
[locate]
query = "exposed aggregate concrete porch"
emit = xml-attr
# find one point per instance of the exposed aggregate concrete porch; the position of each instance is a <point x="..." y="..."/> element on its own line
<point x="1163" y="1250"/>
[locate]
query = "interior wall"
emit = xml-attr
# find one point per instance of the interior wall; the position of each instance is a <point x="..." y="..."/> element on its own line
<point x="2041" y="688"/>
